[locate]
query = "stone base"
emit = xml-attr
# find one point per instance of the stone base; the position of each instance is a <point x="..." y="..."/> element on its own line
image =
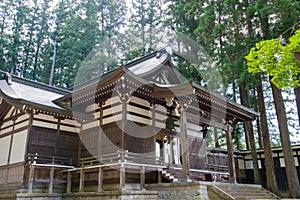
<point x="180" y="190"/>
<point x="106" y="195"/>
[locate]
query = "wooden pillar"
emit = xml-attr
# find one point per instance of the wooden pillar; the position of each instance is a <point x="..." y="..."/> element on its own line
<point x="122" y="177"/>
<point x="163" y="147"/>
<point x="142" y="177"/>
<point x="30" y="178"/>
<point x="100" y="179"/>
<point x="101" y="113"/>
<point x="69" y="182"/>
<point x="51" y="177"/>
<point x="14" y="118"/>
<point x="154" y="132"/>
<point x="101" y="132"/>
<point x="124" y="118"/>
<point x="153" y="115"/>
<point x="183" y="144"/>
<point x="81" y="181"/>
<point x="57" y="135"/>
<point x="171" y="150"/>
<point x="124" y="95"/>
<point x="159" y="177"/>
<point x="231" y="163"/>
<point x="80" y="147"/>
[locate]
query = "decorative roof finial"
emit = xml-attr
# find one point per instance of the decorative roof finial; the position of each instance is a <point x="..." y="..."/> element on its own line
<point x="160" y="52"/>
<point x="8" y="78"/>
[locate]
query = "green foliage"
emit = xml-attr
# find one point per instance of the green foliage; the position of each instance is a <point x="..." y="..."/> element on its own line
<point x="277" y="60"/>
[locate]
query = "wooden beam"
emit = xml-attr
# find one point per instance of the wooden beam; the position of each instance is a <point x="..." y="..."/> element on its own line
<point x="100" y="179"/>
<point x="231" y="163"/>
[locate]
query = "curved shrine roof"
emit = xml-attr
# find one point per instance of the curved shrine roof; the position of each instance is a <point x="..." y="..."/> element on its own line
<point x="155" y="70"/>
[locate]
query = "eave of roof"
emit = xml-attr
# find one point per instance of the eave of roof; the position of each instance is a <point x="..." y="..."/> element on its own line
<point x="161" y="58"/>
<point x="191" y="87"/>
<point x="30" y="95"/>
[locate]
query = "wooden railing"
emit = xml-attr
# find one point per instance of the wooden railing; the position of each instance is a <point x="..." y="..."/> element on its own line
<point x="46" y="159"/>
<point x="143" y="158"/>
<point x="216" y="167"/>
<point x="96" y="160"/>
<point x="122" y="156"/>
<point x="50" y="163"/>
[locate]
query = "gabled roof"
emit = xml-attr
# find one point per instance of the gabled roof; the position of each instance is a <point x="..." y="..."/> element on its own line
<point x="142" y="67"/>
<point x="22" y="93"/>
<point x="30" y="93"/>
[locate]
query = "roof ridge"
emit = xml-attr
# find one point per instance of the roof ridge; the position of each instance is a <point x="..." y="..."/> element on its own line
<point x="37" y="84"/>
<point x="127" y="65"/>
<point x="145" y="57"/>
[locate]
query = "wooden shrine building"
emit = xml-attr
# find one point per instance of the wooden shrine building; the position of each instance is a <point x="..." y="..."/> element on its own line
<point x="138" y="124"/>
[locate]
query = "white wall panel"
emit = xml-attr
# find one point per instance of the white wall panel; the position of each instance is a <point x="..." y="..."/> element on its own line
<point x="4" y="146"/>
<point x="18" y="147"/>
<point x="44" y="124"/>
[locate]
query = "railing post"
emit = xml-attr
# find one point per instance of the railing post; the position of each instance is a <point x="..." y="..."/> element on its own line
<point x="142" y="177"/>
<point x="51" y="180"/>
<point x="100" y="179"/>
<point x="122" y="176"/>
<point x="30" y="178"/>
<point x="69" y="182"/>
<point x="159" y="176"/>
<point x="31" y="173"/>
<point x="81" y="181"/>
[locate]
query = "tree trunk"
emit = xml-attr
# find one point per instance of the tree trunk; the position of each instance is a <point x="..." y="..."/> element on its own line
<point x="261" y="146"/>
<point x="297" y="95"/>
<point x="249" y="132"/>
<point x="290" y="167"/>
<point x="260" y="143"/>
<point x="246" y="136"/>
<point x="269" y="163"/>
<point x="53" y="64"/>
<point x="216" y="138"/>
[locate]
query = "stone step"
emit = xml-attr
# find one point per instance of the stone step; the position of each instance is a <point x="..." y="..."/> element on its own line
<point x="239" y="187"/>
<point x="249" y="194"/>
<point x="253" y="197"/>
<point x="246" y="192"/>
